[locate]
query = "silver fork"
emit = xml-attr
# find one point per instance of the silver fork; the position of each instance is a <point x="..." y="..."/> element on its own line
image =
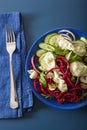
<point x="11" y="46"/>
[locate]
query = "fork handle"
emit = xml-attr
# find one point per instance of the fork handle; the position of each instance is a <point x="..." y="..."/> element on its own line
<point x="13" y="93"/>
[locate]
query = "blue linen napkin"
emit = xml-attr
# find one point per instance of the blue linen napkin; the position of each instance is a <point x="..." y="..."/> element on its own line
<point x="19" y="57"/>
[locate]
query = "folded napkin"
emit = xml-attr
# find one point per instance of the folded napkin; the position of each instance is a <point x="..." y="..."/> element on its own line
<point x="19" y="57"/>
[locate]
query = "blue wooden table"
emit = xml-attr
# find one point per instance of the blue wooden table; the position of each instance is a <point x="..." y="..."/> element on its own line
<point x="40" y="16"/>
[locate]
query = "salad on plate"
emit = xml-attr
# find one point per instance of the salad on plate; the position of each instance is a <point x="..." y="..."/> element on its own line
<point x="59" y="67"/>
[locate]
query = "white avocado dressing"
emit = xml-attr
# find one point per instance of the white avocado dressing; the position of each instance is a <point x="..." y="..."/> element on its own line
<point x="33" y="74"/>
<point x="62" y="86"/>
<point x="64" y="44"/>
<point x="47" y="61"/>
<point x="78" y="69"/>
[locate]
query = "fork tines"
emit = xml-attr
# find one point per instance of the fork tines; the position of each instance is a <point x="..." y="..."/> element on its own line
<point x="10" y="36"/>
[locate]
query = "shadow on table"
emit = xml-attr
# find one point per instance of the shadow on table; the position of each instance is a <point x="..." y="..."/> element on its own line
<point x="37" y="107"/>
<point x="28" y="20"/>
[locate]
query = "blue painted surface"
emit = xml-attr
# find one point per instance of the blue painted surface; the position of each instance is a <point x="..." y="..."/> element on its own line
<point x="40" y="16"/>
